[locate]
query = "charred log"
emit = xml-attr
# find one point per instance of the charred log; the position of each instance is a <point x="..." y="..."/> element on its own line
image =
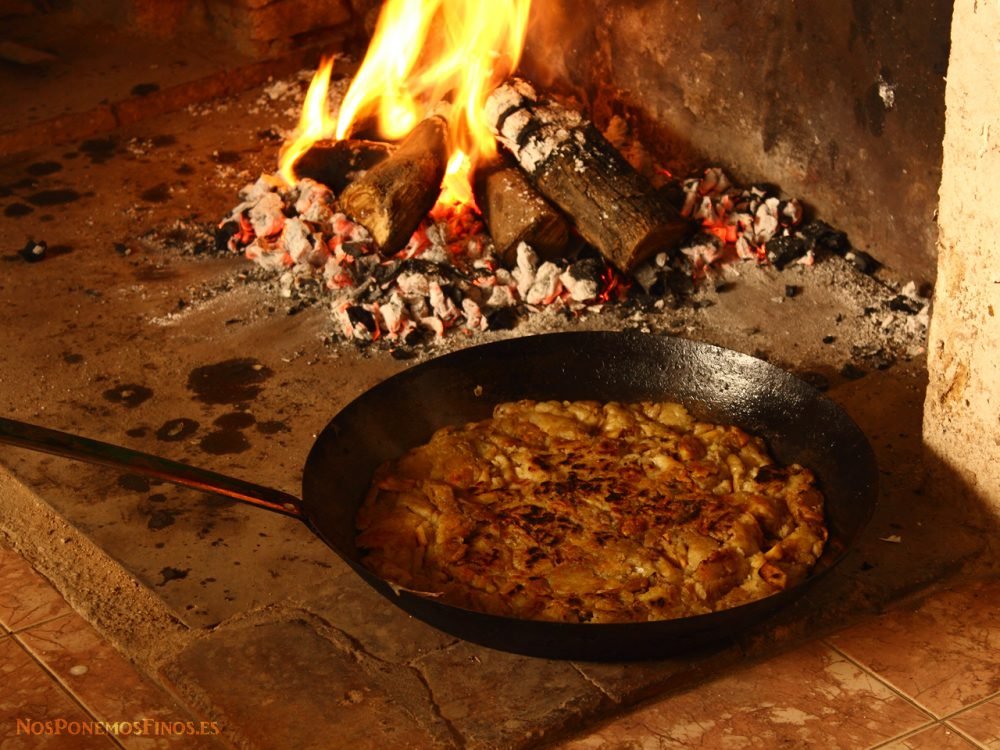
<point x="392" y="198"/>
<point x="612" y="206"/>
<point x="515" y="212"/>
<point x="337" y="164"/>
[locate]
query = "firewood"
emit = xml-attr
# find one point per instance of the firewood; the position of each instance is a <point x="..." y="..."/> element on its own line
<point x="612" y="206"/>
<point x="337" y="164"/>
<point x="515" y="212"/>
<point x="392" y="198"/>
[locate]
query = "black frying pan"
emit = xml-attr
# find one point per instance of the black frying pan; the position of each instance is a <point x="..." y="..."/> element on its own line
<point x="715" y="384"/>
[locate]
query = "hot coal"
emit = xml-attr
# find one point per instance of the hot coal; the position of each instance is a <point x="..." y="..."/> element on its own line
<point x="449" y="277"/>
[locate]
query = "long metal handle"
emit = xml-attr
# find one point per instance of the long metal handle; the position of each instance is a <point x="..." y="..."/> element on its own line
<point x="64" y="444"/>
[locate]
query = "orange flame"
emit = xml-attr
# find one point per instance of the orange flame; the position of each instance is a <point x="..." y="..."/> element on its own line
<point x="456" y="187"/>
<point x="423" y="53"/>
<point x="315" y="122"/>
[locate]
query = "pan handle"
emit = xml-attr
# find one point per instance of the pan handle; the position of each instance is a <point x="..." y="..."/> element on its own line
<point x="64" y="444"/>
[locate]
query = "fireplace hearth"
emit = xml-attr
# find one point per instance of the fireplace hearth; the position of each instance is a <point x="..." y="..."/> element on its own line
<point x="134" y="328"/>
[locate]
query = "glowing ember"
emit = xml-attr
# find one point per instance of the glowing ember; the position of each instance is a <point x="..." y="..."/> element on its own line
<point x="423" y="53"/>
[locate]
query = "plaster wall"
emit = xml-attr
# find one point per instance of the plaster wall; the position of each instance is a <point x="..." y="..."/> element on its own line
<point x="962" y="410"/>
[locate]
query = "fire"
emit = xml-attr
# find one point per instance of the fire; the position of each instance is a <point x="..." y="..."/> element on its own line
<point x="314" y="123"/>
<point x="425" y="53"/>
<point x="456" y="188"/>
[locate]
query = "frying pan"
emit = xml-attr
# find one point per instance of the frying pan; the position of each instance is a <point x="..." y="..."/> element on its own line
<point x="718" y="385"/>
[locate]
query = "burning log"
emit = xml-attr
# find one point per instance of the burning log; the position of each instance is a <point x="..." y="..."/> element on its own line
<point x="337" y="164"/>
<point x="514" y="212"/>
<point x="393" y="197"/>
<point x="613" y="207"/>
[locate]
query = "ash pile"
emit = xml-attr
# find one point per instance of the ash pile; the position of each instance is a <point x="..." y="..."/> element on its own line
<point x="531" y="243"/>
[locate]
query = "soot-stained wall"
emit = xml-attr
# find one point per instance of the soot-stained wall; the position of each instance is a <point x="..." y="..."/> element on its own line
<point x="840" y="104"/>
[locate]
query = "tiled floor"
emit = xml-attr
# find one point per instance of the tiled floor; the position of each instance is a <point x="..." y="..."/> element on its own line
<point x="63" y="686"/>
<point x="922" y="677"/>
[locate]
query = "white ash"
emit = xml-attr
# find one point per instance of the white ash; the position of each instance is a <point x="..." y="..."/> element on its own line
<point x="582" y="281"/>
<point x="765" y="220"/>
<point x="527" y="267"/>
<point x="512" y="107"/>
<point x="546" y="287"/>
<point x="449" y="277"/>
<point x="505" y="98"/>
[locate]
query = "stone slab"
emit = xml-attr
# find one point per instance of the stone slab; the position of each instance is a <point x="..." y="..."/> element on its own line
<point x="282" y="684"/>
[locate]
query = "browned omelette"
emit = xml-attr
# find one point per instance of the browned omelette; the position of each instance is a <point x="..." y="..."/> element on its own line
<point x="590" y="512"/>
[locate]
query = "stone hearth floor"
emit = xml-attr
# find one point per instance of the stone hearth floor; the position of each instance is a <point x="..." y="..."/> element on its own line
<point x="926" y="674"/>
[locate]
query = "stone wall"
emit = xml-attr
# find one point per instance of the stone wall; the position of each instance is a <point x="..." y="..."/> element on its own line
<point x="962" y="410"/>
<point x="255" y="27"/>
<point x="841" y="104"/>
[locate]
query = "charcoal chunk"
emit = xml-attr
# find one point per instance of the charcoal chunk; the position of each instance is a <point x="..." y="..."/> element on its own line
<point x="225" y="232"/>
<point x="820" y="236"/>
<point x="502" y="319"/>
<point x="862" y="261"/>
<point x="359" y="315"/>
<point x="385" y="273"/>
<point x="903" y="304"/>
<point x="588" y="269"/>
<point x="783" y="250"/>
<point x="355" y="249"/>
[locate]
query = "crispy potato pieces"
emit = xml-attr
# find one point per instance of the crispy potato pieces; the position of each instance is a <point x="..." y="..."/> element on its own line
<point x="590" y="512"/>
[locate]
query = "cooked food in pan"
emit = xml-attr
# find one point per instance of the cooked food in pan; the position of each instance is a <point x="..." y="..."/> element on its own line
<point x="590" y="512"/>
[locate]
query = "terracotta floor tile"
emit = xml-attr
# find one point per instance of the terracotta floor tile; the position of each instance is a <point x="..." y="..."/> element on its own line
<point x="944" y="653"/>
<point x="937" y="737"/>
<point x="28" y="693"/>
<point x="981" y="723"/>
<point x="106" y="683"/>
<point x="809" y="698"/>
<point x="25" y="597"/>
